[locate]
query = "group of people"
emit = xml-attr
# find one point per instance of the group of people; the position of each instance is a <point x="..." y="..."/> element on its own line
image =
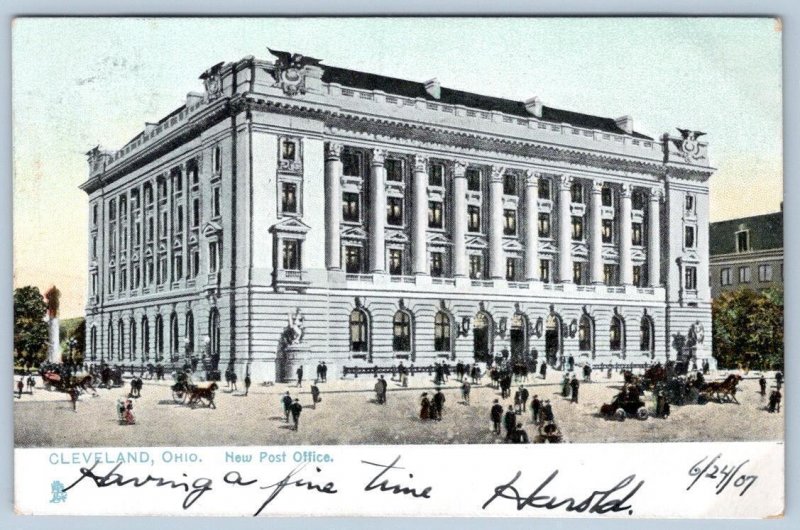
<point x="542" y="412"/>
<point x="30" y="381"/>
<point x="775" y="397"/>
<point x="432" y="408"/>
<point x="569" y="387"/>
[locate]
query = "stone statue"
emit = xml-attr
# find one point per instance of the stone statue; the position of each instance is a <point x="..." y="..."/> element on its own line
<point x="697" y="332"/>
<point x="53" y="297"/>
<point x="297" y="325"/>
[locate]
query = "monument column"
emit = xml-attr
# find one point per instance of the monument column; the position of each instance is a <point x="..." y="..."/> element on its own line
<point x="460" y="219"/>
<point x="496" y="254"/>
<point x="531" y="225"/>
<point x="596" y="241"/>
<point x="625" y="235"/>
<point x="377" y="217"/>
<point x="564" y="229"/>
<point x="333" y="206"/>
<point x="420" y="219"/>
<point x="654" y="239"/>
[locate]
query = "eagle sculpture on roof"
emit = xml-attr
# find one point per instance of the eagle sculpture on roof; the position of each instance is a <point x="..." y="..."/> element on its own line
<point x="293" y="60"/>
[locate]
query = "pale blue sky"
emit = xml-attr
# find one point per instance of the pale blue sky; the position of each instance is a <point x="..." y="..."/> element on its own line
<point x="82" y="82"/>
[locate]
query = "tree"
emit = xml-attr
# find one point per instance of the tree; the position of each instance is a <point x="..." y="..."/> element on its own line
<point x="748" y="329"/>
<point x="30" y="328"/>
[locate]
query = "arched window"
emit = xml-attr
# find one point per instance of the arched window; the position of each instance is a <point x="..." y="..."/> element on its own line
<point x="646" y="335"/>
<point x="145" y="339"/>
<point x="401" y="331"/>
<point x="190" y="332"/>
<point x="121" y="339"/>
<point x="159" y="338"/>
<point x="585" y="336"/>
<point x="617" y="333"/>
<point x="441" y="332"/>
<point x="93" y="343"/>
<point x="359" y="331"/>
<point x="174" y="339"/>
<point x="110" y="342"/>
<point x="132" y="338"/>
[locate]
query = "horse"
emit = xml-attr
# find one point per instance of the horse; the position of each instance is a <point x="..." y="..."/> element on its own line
<point x="203" y="392"/>
<point x="725" y="388"/>
<point x="654" y="375"/>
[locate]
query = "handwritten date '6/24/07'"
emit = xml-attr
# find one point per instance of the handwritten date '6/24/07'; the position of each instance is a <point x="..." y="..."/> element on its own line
<point x="724" y="474"/>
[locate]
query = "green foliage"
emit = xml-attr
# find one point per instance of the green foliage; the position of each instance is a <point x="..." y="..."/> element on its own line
<point x="748" y="329"/>
<point x="73" y="338"/>
<point x="30" y="328"/>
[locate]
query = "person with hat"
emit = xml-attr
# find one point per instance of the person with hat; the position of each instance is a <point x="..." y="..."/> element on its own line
<point x="296" y="409"/>
<point x="425" y="407"/>
<point x="287" y="405"/>
<point x="510" y="422"/>
<point x="536" y="408"/>
<point x="574" y="384"/>
<point x="497" y="416"/>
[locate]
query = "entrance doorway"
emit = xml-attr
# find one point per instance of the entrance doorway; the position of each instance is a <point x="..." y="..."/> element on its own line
<point x="552" y="339"/>
<point x="518" y="336"/>
<point x="482" y="336"/>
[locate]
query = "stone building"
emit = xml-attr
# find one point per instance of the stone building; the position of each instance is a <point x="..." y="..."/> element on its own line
<point x="747" y="253"/>
<point x="297" y="212"/>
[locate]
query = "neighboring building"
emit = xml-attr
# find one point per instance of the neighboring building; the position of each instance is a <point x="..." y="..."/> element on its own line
<point x="298" y="212"/>
<point x="747" y="253"/>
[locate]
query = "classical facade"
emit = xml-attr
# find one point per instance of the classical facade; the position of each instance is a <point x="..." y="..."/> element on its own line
<point x="297" y="212"/>
<point x="747" y="253"/>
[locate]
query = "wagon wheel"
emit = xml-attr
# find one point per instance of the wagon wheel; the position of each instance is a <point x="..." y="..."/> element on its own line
<point x="179" y="396"/>
<point x="642" y="413"/>
<point x="620" y="414"/>
<point x="702" y="399"/>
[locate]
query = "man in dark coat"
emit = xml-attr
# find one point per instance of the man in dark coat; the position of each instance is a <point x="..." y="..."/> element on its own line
<point x="315" y="396"/>
<point x="324" y="372"/>
<point x="571" y="362"/>
<point x="775" y="401"/>
<point x="383" y="385"/>
<point x="247" y="383"/>
<point x="287" y="405"/>
<point x="547" y="411"/>
<point x="497" y="416"/>
<point x="296" y="409"/>
<point x="438" y="404"/>
<point x="519" y="436"/>
<point x="762" y="383"/>
<point x="20" y="386"/>
<point x="574" y="384"/>
<point x="319" y="371"/>
<point x="465" y="389"/>
<point x="779" y="379"/>
<point x="536" y="408"/>
<point x="510" y="422"/>
<point x="299" y="375"/>
<point x="524" y="394"/>
<point x="543" y="370"/>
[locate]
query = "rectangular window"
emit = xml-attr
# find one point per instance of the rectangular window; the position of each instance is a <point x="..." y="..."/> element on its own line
<point x="195" y="213"/>
<point x="544" y="225"/>
<point x="94" y="215"/>
<point x="690" y="203"/>
<point x="509" y="184"/>
<point x="435" y="214"/>
<point x="136" y="277"/>
<point x="162" y="269"/>
<point x="177" y="181"/>
<point x="215" y="204"/>
<point x="636" y="234"/>
<point x="610" y="274"/>
<point x="577" y="273"/>
<point x="436" y="175"/>
<point x="148" y="271"/>
<point x="163" y="227"/>
<point x="607" y="231"/>
<point x="576" y="192"/>
<point x="544" y="188"/>
<point x="177" y="268"/>
<point x="765" y="272"/>
<point x="509" y="222"/>
<point x="743" y="241"/>
<point x="688" y="236"/>
<point x="291" y="254"/>
<point x="213" y="260"/>
<point x="473" y="219"/>
<point x="123" y="239"/>
<point x="394" y="211"/>
<point x="112" y="242"/>
<point x="744" y="274"/>
<point x="351" y="164"/>
<point x="288" y="197"/>
<point x="289" y="151"/>
<point x="151" y="230"/>
<point x="690" y="278"/>
<point x="194" y="174"/>
<point x="94" y="247"/>
<point x="437" y="264"/>
<point x="350" y="207"/>
<point x="476" y="266"/>
<point x="112" y="210"/>
<point x="179" y="220"/>
<point x="395" y="262"/>
<point x="394" y="170"/>
<point x="138" y="234"/>
<point x="639" y="200"/>
<point x="353" y="263"/>
<point x="725" y="276"/>
<point x="473" y="180"/>
<point x="577" y="228"/>
<point x="195" y="263"/>
<point x="544" y="270"/>
<point x="638" y="276"/>
<point x="216" y="160"/>
<point x="511" y="269"/>
<point x="606" y="196"/>
<point x="112" y="283"/>
<point x="94" y="284"/>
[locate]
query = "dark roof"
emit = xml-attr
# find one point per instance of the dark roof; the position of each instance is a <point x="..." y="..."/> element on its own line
<point x="412" y="89"/>
<point x="766" y="232"/>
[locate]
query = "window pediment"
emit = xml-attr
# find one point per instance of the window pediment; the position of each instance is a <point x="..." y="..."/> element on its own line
<point x="290" y="225"/>
<point x="211" y="229"/>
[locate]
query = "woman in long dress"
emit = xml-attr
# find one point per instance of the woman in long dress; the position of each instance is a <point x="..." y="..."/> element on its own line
<point x="425" y="407"/>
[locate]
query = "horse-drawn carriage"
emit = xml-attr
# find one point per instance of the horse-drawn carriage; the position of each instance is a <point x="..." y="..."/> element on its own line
<point x="53" y="379"/>
<point x="202" y="393"/>
<point x="626" y="403"/>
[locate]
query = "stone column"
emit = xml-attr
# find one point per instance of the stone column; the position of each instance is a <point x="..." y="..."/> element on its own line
<point x="654" y="239"/>
<point x="377" y="218"/>
<point x="459" y="222"/>
<point x="531" y="225"/>
<point x="419" y="220"/>
<point x="596" y="241"/>
<point x="564" y="229"/>
<point x="496" y="254"/>
<point x="625" y="235"/>
<point x="333" y="206"/>
<point x="170" y="230"/>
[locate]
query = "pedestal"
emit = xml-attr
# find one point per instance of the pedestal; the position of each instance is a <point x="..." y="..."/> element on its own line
<point x="292" y="357"/>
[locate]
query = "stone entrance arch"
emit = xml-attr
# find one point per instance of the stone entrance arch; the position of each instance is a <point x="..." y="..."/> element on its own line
<point x="553" y="338"/>
<point x="518" y="336"/>
<point x="482" y="335"/>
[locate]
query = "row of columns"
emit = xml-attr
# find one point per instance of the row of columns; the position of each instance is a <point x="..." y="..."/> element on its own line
<point x="497" y="265"/>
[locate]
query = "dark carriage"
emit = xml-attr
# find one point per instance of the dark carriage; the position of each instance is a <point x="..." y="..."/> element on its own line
<point x="624" y="405"/>
<point x="549" y="432"/>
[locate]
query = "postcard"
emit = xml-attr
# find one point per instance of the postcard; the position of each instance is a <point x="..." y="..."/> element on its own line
<point x="516" y="267"/>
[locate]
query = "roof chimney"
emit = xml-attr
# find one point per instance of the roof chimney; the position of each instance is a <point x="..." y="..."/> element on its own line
<point x="625" y="123"/>
<point x="534" y="106"/>
<point x="434" y="88"/>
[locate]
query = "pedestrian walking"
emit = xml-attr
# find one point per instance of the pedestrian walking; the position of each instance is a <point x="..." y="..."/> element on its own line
<point x="762" y="383"/>
<point x="247" y="383"/>
<point x="587" y="372"/>
<point x="296" y="409"/>
<point x="319" y="371"/>
<point x="779" y="379"/>
<point x="465" y="389"/>
<point x="543" y="370"/>
<point x="510" y="422"/>
<point x="565" y="386"/>
<point x="574" y="384"/>
<point x="234" y="378"/>
<point x="324" y="372"/>
<point x="425" y="407"/>
<point x="384" y="385"/>
<point x="128" y="415"/>
<point x="378" y="388"/>
<point x="518" y="402"/>
<point x="31" y="383"/>
<point x="519" y="436"/>
<point x="287" y="405"/>
<point x="547" y="411"/>
<point x="496" y="414"/>
<point x="775" y="401"/>
<point x="73" y="396"/>
<point x="608" y="373"/>
<point x="524" y="394"/>
<point x="438" y="404"/>
<point x="536" y="408"/>
<point x="299" y="376"/>
<point x="20" y="386"/>
<point x="315" y="396"/>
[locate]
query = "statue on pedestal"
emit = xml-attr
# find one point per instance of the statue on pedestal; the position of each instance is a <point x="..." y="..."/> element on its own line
<point x="53" y="297"/>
